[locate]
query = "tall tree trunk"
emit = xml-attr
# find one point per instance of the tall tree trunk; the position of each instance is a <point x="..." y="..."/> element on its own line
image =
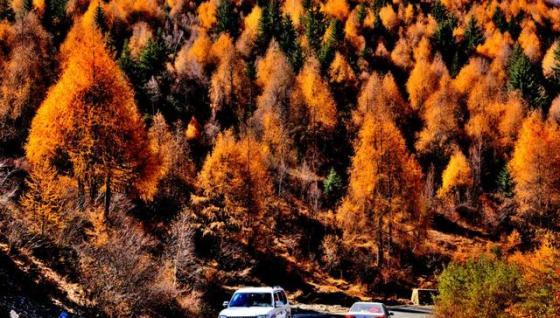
<point x="81" y="195"/>
<point x="107" y="193"/>
<point x="93" y="187"/>
<point x="390" y="238"/>
<point x="380" y="249"/>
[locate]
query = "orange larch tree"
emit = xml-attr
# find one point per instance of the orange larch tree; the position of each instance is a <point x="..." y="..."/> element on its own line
<point x="317" y="97"/>
<point x="535" y="168"/>
<point x="381" y="94"/>
<point x="456" y="178"/>
<point x="236" y="173"/>
<point x="88" y="127"/>
<point x="229" y="84"/>
<point x="440" y="120"/>
<point x="275" y="77"/>
<point x="25" y="77"/>
<point x="384" y="187"/>
<point x="338" y="9"/>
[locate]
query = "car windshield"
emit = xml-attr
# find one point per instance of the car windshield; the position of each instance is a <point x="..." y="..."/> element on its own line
<point x="251" y="300"/>
<point x="369" y="308"/>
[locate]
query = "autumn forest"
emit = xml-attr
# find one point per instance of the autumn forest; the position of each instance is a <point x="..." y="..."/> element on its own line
<point x="157" y="154"/>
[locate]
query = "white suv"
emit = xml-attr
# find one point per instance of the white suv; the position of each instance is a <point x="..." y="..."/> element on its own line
<point x="257" y="302"/>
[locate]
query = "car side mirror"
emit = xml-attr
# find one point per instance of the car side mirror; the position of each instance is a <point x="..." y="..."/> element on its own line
<point x="225" y="304"/>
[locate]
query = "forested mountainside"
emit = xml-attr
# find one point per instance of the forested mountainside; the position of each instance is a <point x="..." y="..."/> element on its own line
<point x="156" y="154"/>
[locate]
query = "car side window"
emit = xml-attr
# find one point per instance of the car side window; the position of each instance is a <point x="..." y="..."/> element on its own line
<point x="283" y="298"/>
<point x="276" y="297"/>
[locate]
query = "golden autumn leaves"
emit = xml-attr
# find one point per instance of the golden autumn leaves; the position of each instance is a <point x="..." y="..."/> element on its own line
<point x="88" y="129"/>
<point x="385" y="184"/>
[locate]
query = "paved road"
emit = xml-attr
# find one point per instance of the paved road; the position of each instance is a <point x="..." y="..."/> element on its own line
<point x="411" y="312"/>
<point x="399" y="311"/>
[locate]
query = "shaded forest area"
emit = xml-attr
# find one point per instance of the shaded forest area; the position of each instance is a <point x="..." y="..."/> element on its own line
<point x="157" y="153"/>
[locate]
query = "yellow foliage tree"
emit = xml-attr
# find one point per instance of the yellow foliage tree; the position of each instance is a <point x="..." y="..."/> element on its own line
<point x="293" y="8"/>
<point x="530" y="42"/>
<point x="497" y="45"/>
<point x="192" y="58"/>
<point x="275" y="77"/>
<point x="352" y="30"/>
<point x="247" y="39"/>
<point x="384" y="186"/>
<point x="541" y="279"/>
<point x="475" y="69"/>
<point x="317" y="95"/>
<point x="236" y="173"/>
<point x="274" y="70"/>
<point x="88" y="127"/>
<point x="402" y="55"/>
<point x="389" y="17"/>
<point x="337" y="9"/>
<point x="200" y="48"/>
<point x="549" y="61"/>
<point x="25" y="76"/>
<point x="440" y="120"/>
<point x="381" y="95"/>
<point x="535" y="167"/>
<point x="457" y="177"/>
<point x="340" y="71"/>
<point x="45" y="201"/>
<point x="193" y="130"/>
<point x="424" y="79"/>
<point x="207" y="13"/>
<point x="228" y="85"/>
<point x="408" y="13"/>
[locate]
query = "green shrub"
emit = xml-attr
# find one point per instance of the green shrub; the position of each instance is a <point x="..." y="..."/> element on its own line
<point x="483" y="287"/>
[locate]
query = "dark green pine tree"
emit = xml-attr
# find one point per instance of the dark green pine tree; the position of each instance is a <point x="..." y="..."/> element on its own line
<point x="55" y="19"/>
<point x="514" y="27"/>
<point x="269" y="25"/>
<point x="129" y="65"/>
<point x="499" y="19"/>
<point x="100" y="19"/>
<point x="227" y="18"/>
<point x="505" y="183"/>
<point x="473" y="35"/>
<point x="288" y="41"/>
<point x="439" y="12"/>
<point x="523" y="76"/>
<point x="333" y="39"/>
<point x="444" y="41"/>
<point x="151" y="60"/>
<point x="332" y="183"/>
<point x="332" y="186"/>
<point x="273" y="24"/>
<point x="314" y="26"/>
